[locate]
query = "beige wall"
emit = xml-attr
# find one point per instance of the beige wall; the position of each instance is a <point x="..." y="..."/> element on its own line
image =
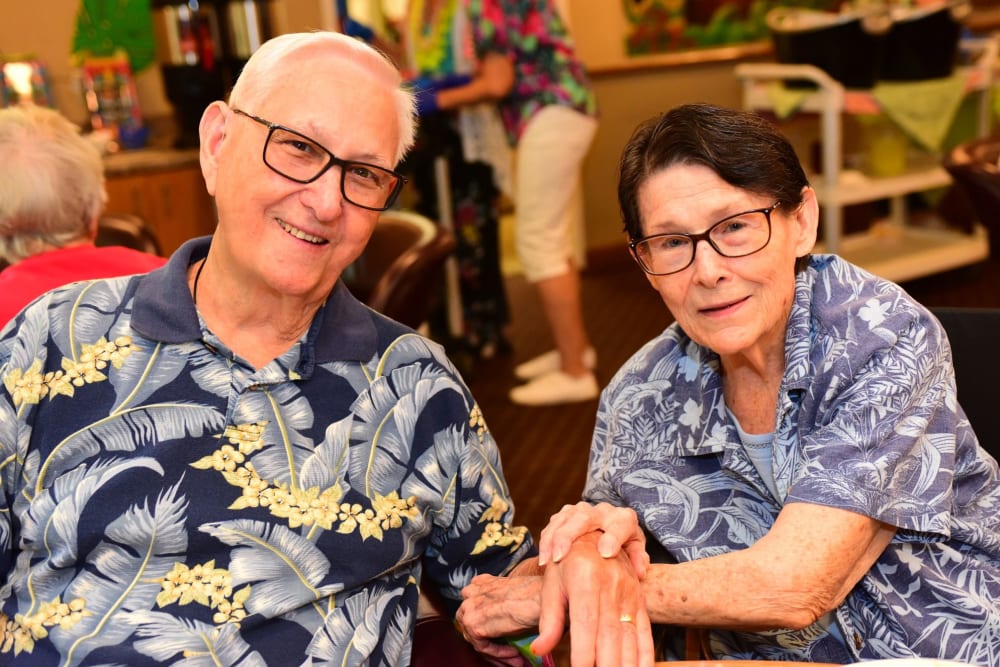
<point x="630" y="90"/>
<point x="625" y="99"/>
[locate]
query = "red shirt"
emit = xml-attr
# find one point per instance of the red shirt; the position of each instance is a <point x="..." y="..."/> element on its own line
<point x="20" y="283"/>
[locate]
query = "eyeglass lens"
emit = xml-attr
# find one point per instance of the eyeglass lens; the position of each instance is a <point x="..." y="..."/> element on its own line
<point x="299" y="158"/>
<point x="737" y="236"/>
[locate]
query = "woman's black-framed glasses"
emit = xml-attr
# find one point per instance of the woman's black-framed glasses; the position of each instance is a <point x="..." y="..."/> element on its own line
<point x="303" y="160"/>
<point x="738" y="235"/>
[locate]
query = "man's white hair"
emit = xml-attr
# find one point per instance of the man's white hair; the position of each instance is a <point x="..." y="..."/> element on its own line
<point x="260" y="75"/>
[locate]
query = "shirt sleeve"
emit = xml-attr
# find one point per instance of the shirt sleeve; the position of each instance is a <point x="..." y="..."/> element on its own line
<point x="887" y="430"/>
<point x="475" y="534"/>
<point x="8" y="477"/>
<point x="23" y="387"/>
<point x="489" y="27"/>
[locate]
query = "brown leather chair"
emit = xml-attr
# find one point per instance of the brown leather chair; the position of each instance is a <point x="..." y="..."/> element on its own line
<point x="402" y="270"/>
<point x="130" y="231"/>
<point x="975" y="168"/>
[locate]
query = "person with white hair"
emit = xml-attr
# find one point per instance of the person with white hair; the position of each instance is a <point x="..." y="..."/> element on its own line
<point x="51" y="198"/>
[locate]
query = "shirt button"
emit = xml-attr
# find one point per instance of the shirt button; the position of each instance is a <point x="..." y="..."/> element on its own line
<point x="858" y="642"/>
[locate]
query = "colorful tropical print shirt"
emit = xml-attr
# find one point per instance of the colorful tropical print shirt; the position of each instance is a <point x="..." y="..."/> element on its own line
<point x="163" y="502"/>
<point x="867" y="421"/>
<point x="546" y="70"/>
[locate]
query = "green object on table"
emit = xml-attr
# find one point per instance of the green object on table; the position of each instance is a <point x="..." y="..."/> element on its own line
<point x="103" y="26"/>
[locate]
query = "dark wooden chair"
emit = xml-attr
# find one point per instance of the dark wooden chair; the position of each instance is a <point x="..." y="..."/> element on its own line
<point x="974" y="168"/>
<point x="401" y="272"/>
<point x="973" y="333"/>
<point x="130" y="231"/>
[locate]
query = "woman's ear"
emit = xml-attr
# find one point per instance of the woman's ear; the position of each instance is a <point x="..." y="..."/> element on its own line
<point x="211" y="131"/>
<point x="806" y="216"/>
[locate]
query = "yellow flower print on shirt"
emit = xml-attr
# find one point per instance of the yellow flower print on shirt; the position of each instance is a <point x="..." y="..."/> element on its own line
<point x="205" y="585"/>
<point x="19" y="634"/>
<point x="496" y="533"/>
<point x="386" y="512"/>
<point x="300" y="507"/>
<point x="477" y="422"/>
<point x="31" y="386"/>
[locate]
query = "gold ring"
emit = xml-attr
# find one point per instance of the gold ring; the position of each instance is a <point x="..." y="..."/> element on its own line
<point x="626" y="618"/>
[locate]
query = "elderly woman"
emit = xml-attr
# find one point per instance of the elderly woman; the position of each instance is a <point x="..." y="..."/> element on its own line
<point x="793" y="441"/>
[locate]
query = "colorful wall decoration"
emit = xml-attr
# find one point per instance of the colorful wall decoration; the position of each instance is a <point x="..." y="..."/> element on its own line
<point x="670" y="26"/>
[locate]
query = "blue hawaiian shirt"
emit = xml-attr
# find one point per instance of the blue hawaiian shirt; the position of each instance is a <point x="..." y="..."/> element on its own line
<point x="164" y="502"/>
<point x="867" y="421"/>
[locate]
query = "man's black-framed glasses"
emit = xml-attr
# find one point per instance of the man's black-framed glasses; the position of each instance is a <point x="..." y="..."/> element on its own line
<point x="738" y="235"/>
<point x="303" y="160"/>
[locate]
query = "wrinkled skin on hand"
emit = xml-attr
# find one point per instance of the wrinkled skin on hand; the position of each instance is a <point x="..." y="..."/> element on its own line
<point x="596" y="592"/>
<point x="500" y="607"/>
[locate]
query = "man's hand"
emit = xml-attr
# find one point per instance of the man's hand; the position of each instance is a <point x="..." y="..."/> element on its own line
<point x="619" y="527"/>
<point x="499" y="607"/>
<point x="609" y="626"/>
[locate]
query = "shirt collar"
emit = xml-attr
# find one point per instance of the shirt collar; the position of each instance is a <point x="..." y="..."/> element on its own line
<point x="344" y="328"/>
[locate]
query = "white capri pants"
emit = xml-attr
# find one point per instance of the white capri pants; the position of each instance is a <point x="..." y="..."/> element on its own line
<point x="548" y="201"/>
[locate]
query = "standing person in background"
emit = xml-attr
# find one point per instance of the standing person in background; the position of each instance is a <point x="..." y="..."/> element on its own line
<point x="527" y="65"/>
<point x="438" y="52"/>
<point x="51" y="198"/>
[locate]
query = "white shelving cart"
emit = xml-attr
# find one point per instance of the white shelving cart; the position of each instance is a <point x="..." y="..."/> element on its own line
<point x="892" y="248"/>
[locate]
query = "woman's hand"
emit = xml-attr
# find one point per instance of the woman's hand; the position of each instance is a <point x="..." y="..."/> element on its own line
<point x="609" y="624"/>
<point x="619" y="525"/>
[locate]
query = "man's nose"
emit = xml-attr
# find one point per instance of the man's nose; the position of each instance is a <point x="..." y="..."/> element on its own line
<point x="324" y="195"/>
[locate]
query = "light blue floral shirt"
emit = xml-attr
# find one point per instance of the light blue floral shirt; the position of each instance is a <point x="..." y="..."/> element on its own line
<point x="163" y="502"/>
<point x="868" y="421"/>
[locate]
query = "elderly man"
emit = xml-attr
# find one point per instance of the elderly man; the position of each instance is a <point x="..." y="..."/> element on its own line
<point x="231" y="460"/>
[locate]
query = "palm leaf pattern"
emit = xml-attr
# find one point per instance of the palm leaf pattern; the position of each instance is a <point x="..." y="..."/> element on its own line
<point x="286" y="570"/>
<point x="352" y="631"/>
<point x="55" y="518"/>
<point x="201" y="644"/>
<point x="140" y="546"/>
<point x="168" y="497"/>
<point x="868" y="420"/>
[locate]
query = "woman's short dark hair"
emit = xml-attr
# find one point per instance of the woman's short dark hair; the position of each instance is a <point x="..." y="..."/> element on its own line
<point x="743" y="148"/>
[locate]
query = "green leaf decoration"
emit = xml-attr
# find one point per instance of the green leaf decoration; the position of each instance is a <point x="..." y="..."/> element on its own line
<point x="106" y="26"/>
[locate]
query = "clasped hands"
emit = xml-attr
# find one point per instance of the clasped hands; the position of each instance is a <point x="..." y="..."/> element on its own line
<point x="588" y="572"/>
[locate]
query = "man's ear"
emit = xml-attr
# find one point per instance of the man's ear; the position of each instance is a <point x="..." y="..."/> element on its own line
<point x="211" y="131"/>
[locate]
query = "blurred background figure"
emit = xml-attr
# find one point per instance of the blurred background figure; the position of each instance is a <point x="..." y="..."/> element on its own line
<point x="518" y="55"/>
<point x="431" y="42"/>
<point x="51" y="198"/>
<point x="527" y="65"/>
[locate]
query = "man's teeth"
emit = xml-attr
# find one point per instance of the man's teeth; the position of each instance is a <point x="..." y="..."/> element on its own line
<point x="299" y="234"/>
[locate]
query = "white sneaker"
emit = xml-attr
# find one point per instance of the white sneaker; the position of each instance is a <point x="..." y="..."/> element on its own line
<point x="556" y="387"/>
<point x="550" y="361"/>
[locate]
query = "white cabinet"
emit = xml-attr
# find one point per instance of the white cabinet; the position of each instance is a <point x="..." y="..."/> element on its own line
<point x="892" y="249"/>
